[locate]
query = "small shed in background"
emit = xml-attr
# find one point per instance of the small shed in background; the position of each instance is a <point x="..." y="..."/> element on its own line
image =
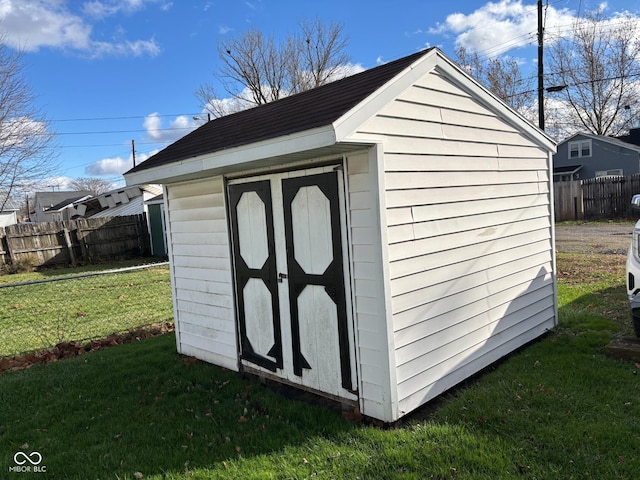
<point x="376" y="240"/>
<point x="9" y="211"/>
<point x="157" y="226"/>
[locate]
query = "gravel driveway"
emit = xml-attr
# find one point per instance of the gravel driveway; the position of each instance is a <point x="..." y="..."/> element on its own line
<point x="612" y="238"/>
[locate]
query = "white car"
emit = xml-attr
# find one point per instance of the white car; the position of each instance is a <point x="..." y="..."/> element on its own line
<point x="633" y="271"/>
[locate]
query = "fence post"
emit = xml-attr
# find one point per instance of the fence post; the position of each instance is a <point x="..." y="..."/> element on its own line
<point x="80" y="234"/>
<point x="10" y="252"/>
<point x="69" y="244"/>
<point x="4" y="246"/>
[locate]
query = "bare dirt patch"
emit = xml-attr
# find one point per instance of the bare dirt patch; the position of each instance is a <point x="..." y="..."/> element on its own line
<point x="603" y="238"/>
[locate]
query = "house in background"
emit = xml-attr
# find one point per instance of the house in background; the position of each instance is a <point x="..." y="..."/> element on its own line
<point x="130" y="200"/>
<point x="9" y="213"/>
<point x="376" y="240"/>
<point x="123" y="201"/>
<point x="584" y="155"/>
<point x="56" y="206"/>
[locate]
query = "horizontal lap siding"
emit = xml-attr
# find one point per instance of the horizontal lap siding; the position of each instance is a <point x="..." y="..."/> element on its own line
<point x="469" y="236"/>
<point x="203" y="291"/>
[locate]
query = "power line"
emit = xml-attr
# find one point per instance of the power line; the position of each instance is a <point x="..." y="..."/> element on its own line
<point x="562" y="87"/>
<point x="556" y="30"/>
<point x="100" y="145"/>
<point x="131" y="117"/>
<point x="107" y="132"/>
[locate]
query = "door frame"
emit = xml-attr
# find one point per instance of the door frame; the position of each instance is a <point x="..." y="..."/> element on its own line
<point x="350" y="394"/>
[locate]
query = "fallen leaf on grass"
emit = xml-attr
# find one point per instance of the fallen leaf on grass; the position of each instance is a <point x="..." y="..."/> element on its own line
<point x="353" y="416"/>
<point x="138" y="475"/>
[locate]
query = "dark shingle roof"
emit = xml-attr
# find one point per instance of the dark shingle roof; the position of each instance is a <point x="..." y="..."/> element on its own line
<point x="566" y="169"/>
<point x="64" y="203"/>
<point x="304" y="111"/>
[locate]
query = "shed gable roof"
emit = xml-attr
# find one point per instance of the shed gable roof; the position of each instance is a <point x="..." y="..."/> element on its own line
<point x="312" y="124"/>
<point x="304" y="111"/>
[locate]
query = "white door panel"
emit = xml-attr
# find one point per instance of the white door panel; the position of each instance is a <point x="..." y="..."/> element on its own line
<point x="289" y="262"/>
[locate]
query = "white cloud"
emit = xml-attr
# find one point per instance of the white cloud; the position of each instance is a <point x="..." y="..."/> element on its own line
<point x="30" y="25"/>
<point x="498" y="27"/>
<point x="15" y="130"/>
<point x="177" y="128"/>
<point x="138" y="48"/>
<point x="102" y="9"/>
<point x="109" y="167"/>
<point x="156" y="132"/>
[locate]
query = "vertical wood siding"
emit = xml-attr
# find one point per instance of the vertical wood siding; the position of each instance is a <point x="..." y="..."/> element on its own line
<point x="368" y="290"/>
<point x="202" y="280"/>
<point x="469" y="236"/>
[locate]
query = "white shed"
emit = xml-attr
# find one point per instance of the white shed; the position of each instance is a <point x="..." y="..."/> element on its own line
<point x="376" y="240"/>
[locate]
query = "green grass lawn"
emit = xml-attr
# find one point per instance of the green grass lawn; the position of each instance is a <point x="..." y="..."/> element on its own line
<point x="42" y="315"/>
<point x="556" y="409"/>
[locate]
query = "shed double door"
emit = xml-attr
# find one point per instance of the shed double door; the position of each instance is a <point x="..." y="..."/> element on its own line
<point x="288" y="244"/>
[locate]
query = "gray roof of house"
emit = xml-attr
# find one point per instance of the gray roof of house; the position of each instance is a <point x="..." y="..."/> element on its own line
<point x="10" y="205"/>
<point x="314" y="108"/>
<point x="566" y="169"/>
<point x="603" y="138"/>
<point x="49" y="199"/>
<point x="65" y="203"/>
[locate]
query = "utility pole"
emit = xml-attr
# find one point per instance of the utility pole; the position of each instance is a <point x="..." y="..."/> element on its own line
<point x="540" y="68"/>
<point x="133" y="152"/>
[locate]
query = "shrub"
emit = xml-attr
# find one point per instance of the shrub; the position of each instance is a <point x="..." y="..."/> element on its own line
<point x="23" y="264"/>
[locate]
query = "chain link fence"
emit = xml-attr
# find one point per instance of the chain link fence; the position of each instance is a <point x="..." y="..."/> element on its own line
<point x="44" y="313"/>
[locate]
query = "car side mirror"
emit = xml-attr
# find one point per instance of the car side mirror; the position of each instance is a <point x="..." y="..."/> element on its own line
<point x="635" y="201"/>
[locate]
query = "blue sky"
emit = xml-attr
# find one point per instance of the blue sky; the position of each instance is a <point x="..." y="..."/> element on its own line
<point x="106" y="72"/>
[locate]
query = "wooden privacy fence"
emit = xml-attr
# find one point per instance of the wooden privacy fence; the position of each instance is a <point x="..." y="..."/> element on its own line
<point x="594" y="198"/>
<point x="568" y="200"/>
<point x="67" y="242"/>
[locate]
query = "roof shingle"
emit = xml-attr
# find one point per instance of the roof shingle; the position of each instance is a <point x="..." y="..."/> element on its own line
<point x="297" y="113"/>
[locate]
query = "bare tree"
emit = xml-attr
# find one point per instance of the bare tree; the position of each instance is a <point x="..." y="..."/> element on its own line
<point x="26" y="141"/>
<point x="502" y="76"/>
<point x="595" y="72"/>
<point x="92" y="184"/>
<point x="257" y="69"/>
<point x="319" y="55"/>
